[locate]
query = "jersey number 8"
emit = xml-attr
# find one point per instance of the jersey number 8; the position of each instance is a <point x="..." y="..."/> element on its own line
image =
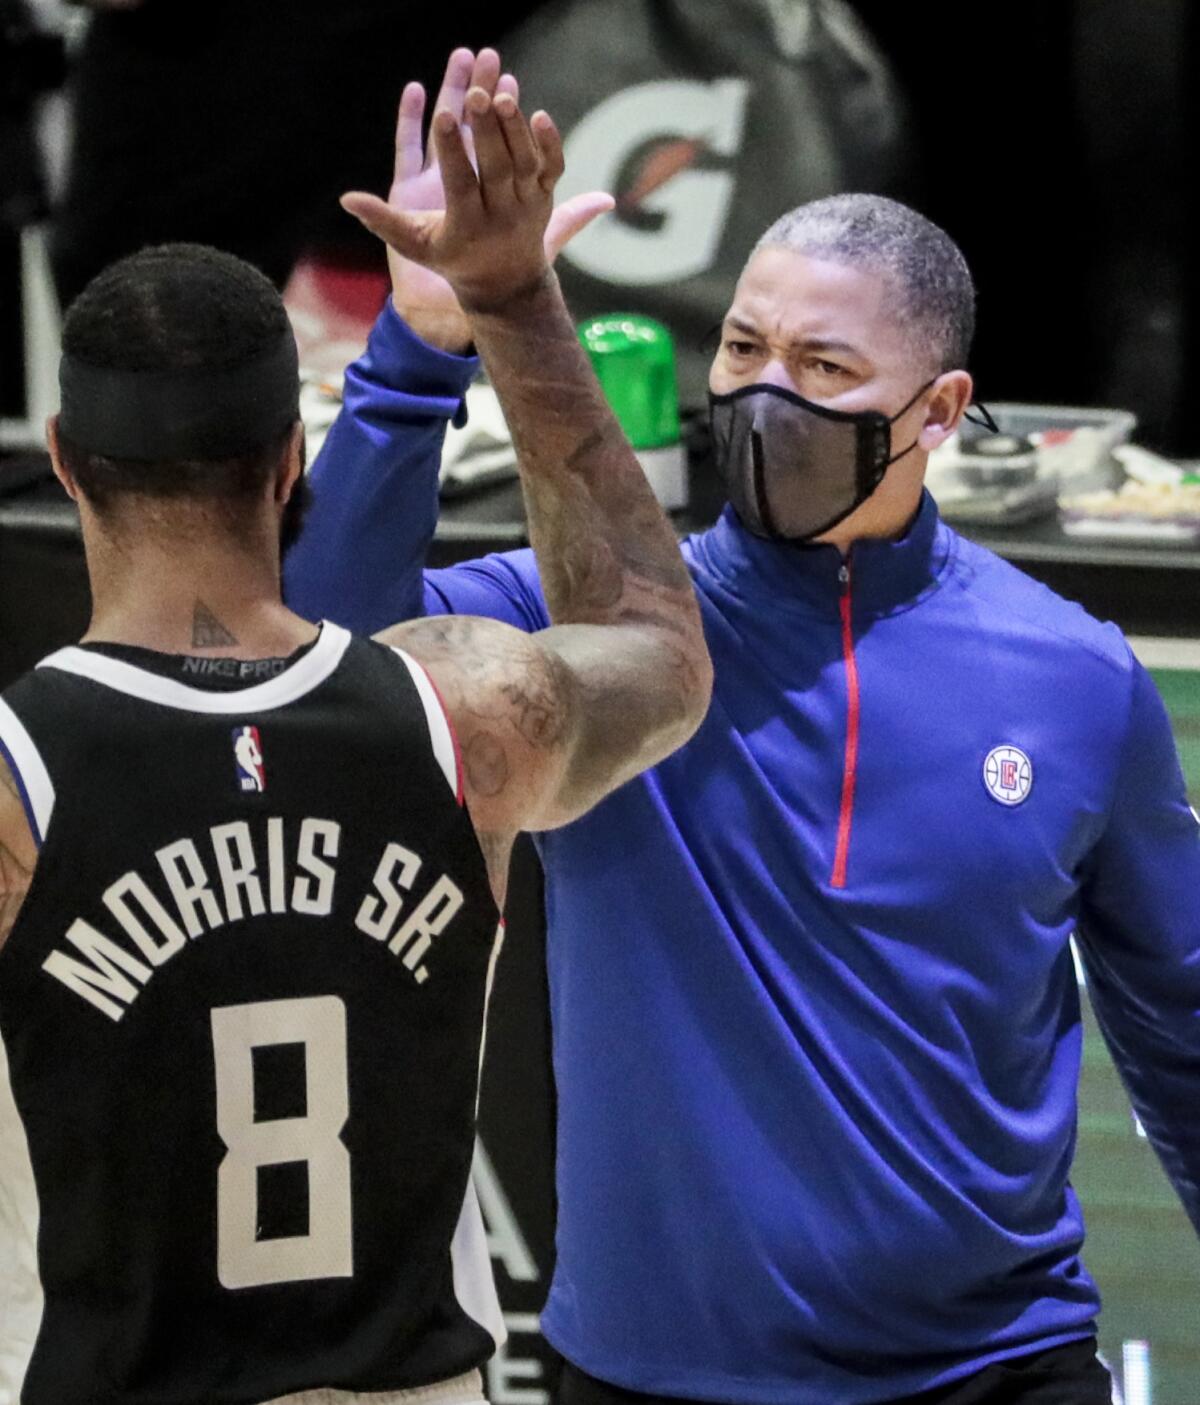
<point x="244" y="1260"/>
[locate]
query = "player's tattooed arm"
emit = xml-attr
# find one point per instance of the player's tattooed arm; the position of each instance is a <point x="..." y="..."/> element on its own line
<point x="606" y="553"/>
<point x="549" y="723"/>
<point x="18" y="852"/>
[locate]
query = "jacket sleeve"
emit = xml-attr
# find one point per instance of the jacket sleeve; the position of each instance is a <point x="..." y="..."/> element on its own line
<point x="1139" y="934"/>
<point x="360" y="557"/>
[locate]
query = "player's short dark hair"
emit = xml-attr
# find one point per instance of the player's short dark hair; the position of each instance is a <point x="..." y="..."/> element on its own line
<point x="175" y="307"/>
<point x="933" y="289"/>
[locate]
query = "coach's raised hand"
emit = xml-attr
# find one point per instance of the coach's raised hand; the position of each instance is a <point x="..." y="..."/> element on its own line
<point x="488" y="243"/>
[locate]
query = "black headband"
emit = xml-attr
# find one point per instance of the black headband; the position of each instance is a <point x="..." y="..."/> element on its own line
<point x="188" y="414"/>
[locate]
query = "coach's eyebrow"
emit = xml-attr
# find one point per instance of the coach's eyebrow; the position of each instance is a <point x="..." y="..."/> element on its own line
<point x="827" y="344"/>
<point x="812" y="344"/>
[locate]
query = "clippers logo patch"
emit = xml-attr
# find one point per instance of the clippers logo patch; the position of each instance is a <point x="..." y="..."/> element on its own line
<point x="1008" y="774"/>
<point x="248" y="760"/>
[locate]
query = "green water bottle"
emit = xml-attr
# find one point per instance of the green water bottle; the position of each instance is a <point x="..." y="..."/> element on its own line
<point x="634" y="360"/>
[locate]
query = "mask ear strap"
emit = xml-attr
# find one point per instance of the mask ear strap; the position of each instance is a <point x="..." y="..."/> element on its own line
<point x="983" y="418"/>
<point x="904" y="409"/>
<point x="897" y="457"/>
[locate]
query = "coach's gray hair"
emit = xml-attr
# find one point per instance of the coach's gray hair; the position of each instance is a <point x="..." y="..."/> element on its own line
<point x="931" y="283"/>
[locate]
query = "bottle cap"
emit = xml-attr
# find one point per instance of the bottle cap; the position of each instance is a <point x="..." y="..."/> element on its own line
<point x="634" y="360"/>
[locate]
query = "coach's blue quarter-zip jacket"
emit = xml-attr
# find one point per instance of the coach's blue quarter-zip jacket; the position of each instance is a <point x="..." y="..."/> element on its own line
<point x="816" y="1019"/>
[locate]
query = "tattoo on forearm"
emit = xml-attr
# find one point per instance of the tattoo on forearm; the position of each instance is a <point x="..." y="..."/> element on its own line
<point x="602" y="541"/>
<point x="587" y="577"/>
<point x="207" y="631"/>
<point x="656" y="619"/>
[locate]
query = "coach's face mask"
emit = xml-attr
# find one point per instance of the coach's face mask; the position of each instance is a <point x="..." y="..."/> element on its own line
<point x="792" y="468"/>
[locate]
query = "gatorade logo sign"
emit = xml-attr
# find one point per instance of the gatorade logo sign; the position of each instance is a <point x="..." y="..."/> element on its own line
<point x="665" y="150"/>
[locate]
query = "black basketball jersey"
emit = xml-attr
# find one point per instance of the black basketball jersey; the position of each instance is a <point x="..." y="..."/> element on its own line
<point x="242" y="1011"/>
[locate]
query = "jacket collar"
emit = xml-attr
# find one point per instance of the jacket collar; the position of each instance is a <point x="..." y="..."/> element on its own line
<point x="886" y="576"/>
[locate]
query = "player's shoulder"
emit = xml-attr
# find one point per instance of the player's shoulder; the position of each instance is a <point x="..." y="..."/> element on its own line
<point x="1008" y="598"/>
<point x="33" y="689"/>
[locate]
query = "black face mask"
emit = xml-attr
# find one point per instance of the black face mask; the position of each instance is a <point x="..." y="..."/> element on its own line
<point x="792" y="468"/>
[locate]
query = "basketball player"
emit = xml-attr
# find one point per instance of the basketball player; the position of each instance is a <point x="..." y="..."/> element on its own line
<point x="251" y="869"/>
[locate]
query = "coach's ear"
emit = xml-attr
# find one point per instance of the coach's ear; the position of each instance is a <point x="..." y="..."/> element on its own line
<point x="61" y="471"/>
<point x="952" y="392"/>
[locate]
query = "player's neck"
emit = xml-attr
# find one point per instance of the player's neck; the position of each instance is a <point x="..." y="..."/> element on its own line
<point x="181" y="599"/>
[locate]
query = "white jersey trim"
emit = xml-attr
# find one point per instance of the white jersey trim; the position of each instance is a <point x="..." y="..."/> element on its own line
<point x="22" y="1300"/>
<point x="471" y="1263"/>
<point x="497" y="943"/>
<point x="29" y="771"/>
<point x="459" y="1390"/>
<point x="470" y="1257"/>
<point x="441" y="734"/>
<point x="293" y="683"/>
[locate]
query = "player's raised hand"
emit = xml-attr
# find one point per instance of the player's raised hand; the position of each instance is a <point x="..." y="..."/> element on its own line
<point x="505" y="206"/>
<point x="423" y="298"/>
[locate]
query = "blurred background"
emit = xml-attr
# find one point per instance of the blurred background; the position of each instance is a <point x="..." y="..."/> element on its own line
<point x="1050" y="138"/>
<point x="1053" y="140"/>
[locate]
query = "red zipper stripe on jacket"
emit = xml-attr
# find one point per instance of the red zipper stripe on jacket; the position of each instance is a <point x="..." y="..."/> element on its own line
<point x="850" y="767"/>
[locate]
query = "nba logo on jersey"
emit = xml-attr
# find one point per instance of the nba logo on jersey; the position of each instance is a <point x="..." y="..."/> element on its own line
<point x="248" y="760"/>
